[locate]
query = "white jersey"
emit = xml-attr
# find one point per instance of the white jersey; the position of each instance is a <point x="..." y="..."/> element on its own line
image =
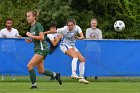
<point x="4" y="33"/>
<point x="69" y="36"/>
<point x="52" y="36"/>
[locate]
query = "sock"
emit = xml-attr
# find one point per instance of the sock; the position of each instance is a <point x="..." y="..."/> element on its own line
<point x="74" y="65"/>
<point x="82" y="69"/>
<point x="49" y="73"/>
<point x="32" y="77"/>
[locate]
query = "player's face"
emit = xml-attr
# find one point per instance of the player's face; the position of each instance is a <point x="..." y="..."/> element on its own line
<point x="9" y="24"/>
<point x="93" y="24"/>
<point x="70" y="26"/>
<point x="30" y="17"/>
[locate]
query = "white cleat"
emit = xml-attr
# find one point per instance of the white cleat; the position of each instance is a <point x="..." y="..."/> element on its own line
<point x="83" y="81"/>
<point x="74" y="76"/>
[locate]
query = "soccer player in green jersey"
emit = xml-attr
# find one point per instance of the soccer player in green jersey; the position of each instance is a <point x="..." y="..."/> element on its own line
<point x="41" y="50"/>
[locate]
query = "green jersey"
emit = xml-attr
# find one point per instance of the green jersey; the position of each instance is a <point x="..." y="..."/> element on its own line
<point x="38" y="44"/>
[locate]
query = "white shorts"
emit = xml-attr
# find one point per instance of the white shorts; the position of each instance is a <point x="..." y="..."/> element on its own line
<point x="65" y="47"/>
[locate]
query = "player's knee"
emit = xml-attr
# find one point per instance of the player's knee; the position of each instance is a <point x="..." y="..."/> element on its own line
<point x="83" y="59"/>
<point x="30" y="66"/>
<point x="41" y="72"/>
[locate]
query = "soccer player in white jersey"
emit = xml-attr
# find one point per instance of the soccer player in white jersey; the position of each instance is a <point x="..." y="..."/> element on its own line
<point x="67" y="46"/>
<point x="9" y="32"/>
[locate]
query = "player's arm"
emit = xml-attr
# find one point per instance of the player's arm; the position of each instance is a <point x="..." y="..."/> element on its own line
<point x="28" y="39"/>
<point x="50" y="32"/>
<point x="40" y="37"/>
<point x="56" y="40"/>
<point x="80" y="33"/>
<point x="81" y="36"/>
<point x="59" y="30"/>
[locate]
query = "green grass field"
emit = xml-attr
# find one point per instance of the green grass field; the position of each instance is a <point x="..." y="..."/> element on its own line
<point x="103" y="85"/>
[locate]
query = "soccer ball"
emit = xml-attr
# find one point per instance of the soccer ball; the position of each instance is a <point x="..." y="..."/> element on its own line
<point x="119" y="25"/>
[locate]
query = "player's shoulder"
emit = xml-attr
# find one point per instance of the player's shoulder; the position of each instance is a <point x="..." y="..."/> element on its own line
<point x="38" y="24"/>
<point x="78" y="27"/>
<point x="65" y="27"/>
<point x="4" y="29"/>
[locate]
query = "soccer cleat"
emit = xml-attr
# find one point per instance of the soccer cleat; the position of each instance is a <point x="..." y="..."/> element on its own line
<point x="34" y="87"/>
<point x="74" y="76"/>
<point x="58" y="78"/>
<point x="83" y="81"/>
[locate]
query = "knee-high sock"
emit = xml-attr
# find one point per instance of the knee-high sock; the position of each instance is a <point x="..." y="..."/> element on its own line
<point x="74" y="65"/>
<point x="32" y="77"/>
<point x="82" y="68"/>
<point x="49" y="73"/>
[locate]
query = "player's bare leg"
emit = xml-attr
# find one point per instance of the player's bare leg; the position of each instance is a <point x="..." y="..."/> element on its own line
<point x="71" y="52"/>
<point x="82" y="68"/>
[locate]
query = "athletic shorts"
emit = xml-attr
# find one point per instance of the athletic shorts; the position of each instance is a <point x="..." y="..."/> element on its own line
<point x="65" y="47"/>
<point x="44" y="53"/>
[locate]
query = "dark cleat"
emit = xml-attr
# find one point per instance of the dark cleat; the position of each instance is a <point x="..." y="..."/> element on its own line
<point x="34" y="87"/>
<point x="58" y="78"/>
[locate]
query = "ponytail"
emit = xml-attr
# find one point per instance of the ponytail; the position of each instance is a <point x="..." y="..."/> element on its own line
<point x="35" y="13"/>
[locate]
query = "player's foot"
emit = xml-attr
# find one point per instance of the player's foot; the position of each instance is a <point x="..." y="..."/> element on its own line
<point x="34" y="87"/>
<point x="74" y="76"/>
<point x="58" y="78"/>
<point x="83" y="81"/>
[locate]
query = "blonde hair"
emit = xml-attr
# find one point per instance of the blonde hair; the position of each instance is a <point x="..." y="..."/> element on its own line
<point x="34" y="12"/>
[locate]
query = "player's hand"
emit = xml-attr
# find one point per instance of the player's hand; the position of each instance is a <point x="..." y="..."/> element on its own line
<point x="28" y="39"/>
<point x="60" y="36"/>
<point x="29" y="34"/>
<point x="76" y="37"/>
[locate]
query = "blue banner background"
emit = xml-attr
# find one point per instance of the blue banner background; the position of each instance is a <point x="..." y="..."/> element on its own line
<point x="103" y="57"/>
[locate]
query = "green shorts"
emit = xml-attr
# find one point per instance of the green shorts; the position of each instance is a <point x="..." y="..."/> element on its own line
<point x="44" y="53"/>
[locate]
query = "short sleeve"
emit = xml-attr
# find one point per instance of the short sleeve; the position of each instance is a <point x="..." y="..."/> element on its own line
<point x="61" y="30"/>
<point x="79" y="29"/>
<point x="17" y="33"/>
<point x="39" y="28"/>
<point x="50" y="36"/>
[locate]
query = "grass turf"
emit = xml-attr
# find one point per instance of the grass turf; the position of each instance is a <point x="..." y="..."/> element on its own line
<point x="102" y="85"/>
<point x="71" y="87"/>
